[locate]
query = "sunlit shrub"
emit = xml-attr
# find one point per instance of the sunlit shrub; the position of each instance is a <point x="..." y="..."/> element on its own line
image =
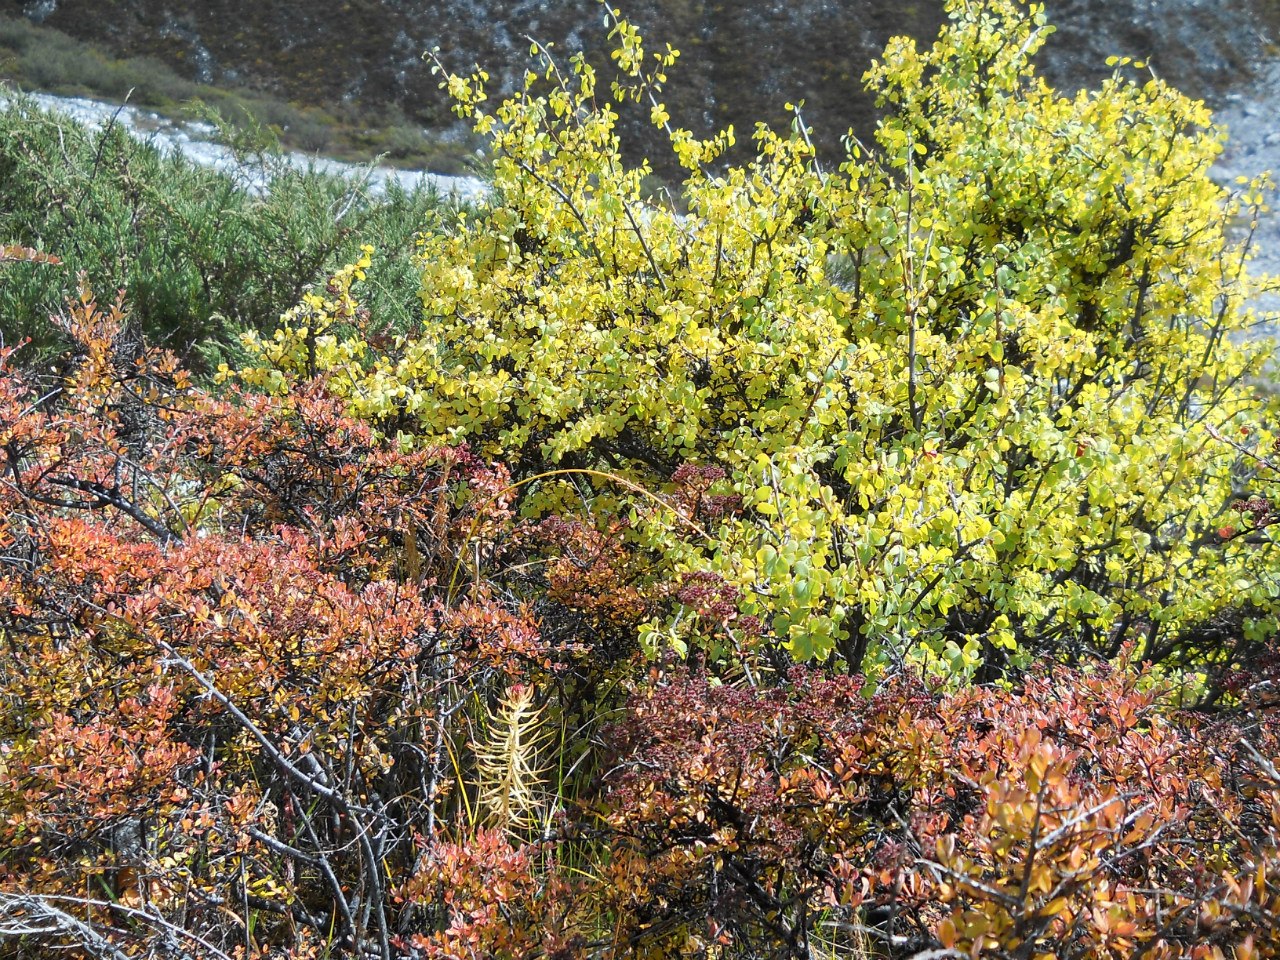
<point x="961" y="385"/>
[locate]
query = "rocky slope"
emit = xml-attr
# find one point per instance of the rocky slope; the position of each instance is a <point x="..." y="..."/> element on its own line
<point x="743" y="58"/>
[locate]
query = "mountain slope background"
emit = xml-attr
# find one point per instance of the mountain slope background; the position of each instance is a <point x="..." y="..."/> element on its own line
<point x="742" y="59"/>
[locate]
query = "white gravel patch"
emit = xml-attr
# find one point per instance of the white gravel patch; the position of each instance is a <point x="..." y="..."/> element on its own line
<point x="194" y="140"/>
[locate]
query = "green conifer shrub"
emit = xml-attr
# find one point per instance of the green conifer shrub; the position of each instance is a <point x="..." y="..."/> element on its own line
<point x="202" y="255"/>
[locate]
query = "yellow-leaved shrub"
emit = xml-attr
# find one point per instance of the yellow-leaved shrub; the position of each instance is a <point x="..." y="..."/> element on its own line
<point x="962" y="383"/>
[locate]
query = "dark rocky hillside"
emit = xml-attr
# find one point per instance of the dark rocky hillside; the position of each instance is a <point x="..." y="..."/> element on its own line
<point x="743" y="58"/>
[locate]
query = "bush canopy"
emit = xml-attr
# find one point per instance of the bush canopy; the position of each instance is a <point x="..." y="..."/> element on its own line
<point x="961" y="385"/>
<point x="625" y="607"/>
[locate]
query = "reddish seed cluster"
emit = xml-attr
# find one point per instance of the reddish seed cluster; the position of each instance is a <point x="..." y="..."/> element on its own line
<point x="697" y="477"/>
<point x="710" y="595"/>
<point x="1259" y="509"/>
<point x="692" y="497"/>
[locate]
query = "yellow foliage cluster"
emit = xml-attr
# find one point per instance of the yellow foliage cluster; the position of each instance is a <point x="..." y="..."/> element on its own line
<point x="961" y="383"/>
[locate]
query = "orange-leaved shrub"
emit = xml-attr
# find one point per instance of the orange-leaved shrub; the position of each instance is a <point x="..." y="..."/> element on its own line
<point x="275" y="685"/>
<point x="249" y="659"/>
<point x="1078" y="816"/>
<point x="290" y="671"/>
